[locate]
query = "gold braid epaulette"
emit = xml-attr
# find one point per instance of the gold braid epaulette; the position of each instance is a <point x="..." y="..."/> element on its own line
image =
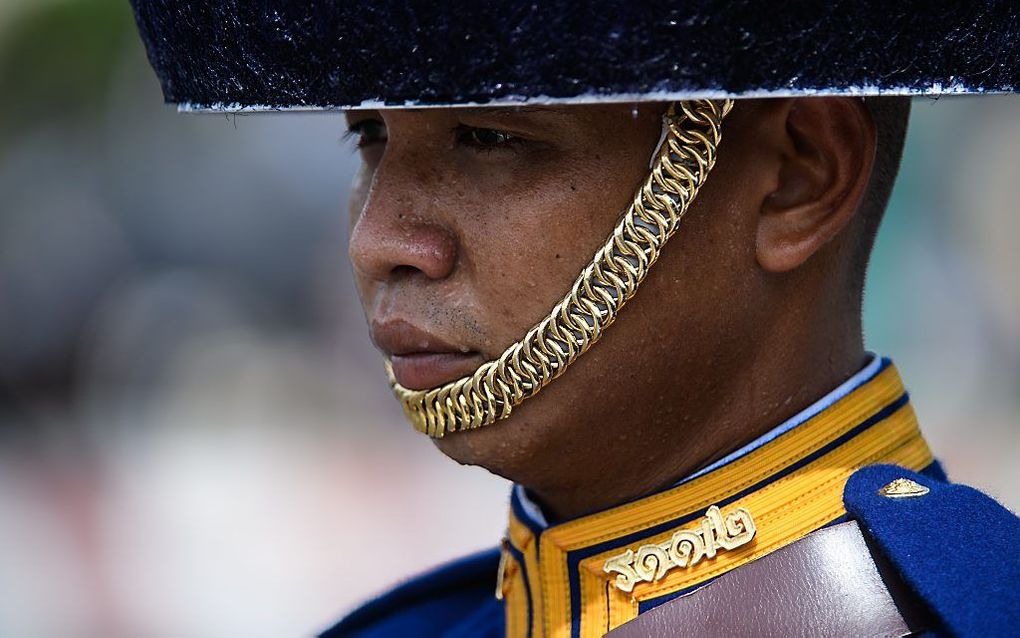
<point x="684" y="160"/>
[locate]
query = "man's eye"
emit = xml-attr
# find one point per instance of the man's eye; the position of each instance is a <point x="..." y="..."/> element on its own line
<point x="367" y="132"/>
<point x="485" y="138"/>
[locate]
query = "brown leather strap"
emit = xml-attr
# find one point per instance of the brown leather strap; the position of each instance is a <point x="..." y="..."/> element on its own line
<point x="828" y="583"/>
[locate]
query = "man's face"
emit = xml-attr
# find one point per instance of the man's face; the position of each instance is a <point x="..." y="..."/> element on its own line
<point x="468" y="225"/>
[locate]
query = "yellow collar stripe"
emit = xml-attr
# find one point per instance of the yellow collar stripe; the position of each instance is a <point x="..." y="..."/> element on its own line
<point x="793" y="485"/>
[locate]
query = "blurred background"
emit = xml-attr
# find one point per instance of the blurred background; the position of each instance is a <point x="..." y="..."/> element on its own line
<point x="196" y="438"/>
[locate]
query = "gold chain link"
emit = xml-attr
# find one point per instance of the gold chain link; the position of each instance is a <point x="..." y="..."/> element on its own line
<point x="684" y="160"/>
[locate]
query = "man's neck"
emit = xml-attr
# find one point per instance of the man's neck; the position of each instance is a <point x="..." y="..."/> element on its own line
<point x="762" y="398"/>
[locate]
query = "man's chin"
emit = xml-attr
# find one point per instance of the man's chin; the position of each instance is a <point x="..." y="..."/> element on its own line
<point x="505" y="448"/>
<point x="543" y="441"/>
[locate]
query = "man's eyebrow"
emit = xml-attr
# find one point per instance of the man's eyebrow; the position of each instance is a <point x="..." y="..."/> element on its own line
<point x="499" y="111"/>
<point x="514" y="110"/>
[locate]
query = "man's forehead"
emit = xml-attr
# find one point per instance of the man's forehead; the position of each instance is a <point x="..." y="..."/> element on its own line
<point x="475" y="110"/>
<point x="500" y="110"/>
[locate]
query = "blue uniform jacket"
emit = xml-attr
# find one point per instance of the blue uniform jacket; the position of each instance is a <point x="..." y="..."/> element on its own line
<point x="958" y="550"/>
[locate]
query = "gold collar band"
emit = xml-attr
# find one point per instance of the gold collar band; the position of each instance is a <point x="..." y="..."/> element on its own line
<point x="584" y="577"/>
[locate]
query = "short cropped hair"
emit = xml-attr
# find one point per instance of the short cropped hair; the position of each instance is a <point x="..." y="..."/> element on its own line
<point x="891" y="115"/>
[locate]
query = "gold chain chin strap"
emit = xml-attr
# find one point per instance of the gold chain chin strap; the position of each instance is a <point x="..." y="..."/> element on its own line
<point x="684" y="160"/>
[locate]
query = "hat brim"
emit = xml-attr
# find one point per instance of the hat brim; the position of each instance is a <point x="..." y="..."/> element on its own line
<point x="235" y="55"/>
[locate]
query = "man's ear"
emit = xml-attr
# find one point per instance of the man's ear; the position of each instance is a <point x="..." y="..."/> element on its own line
<point x="827" y="153"/>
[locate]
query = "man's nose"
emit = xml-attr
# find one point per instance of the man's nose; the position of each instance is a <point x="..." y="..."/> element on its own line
<point x="388" y="238"/>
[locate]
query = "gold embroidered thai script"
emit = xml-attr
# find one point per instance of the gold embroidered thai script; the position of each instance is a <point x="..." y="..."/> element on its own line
<point x="684" y="549"/>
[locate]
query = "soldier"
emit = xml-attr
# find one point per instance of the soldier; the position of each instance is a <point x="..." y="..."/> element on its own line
<point x="727" y="457"/>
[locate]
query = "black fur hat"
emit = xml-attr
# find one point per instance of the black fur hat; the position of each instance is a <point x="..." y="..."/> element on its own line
<point x="278" y="54"/>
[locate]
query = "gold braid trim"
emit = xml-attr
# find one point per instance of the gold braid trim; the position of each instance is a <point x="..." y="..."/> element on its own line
<point x="684" y="160"/>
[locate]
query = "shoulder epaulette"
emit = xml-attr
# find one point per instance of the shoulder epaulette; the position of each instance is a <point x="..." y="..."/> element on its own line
<point x="958" y="549"/>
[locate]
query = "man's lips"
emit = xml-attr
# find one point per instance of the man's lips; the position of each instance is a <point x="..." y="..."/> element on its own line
<point x="421" y="360"/>
<point x="427" y="370"/>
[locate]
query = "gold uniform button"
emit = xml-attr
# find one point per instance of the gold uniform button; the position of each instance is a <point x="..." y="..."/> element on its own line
<point x="903" y="488"/>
